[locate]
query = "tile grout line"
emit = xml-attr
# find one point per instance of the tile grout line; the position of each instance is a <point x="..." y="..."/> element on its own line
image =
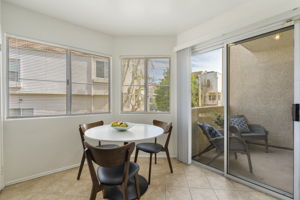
<point x="185" y="176"/>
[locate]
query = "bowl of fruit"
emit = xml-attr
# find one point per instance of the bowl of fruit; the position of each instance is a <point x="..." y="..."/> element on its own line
<point x="121" y="126"/>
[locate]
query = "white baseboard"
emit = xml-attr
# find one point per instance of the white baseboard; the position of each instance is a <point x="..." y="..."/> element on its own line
<point x="27" y="178"/>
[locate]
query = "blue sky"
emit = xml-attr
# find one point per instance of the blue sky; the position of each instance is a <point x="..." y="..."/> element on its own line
<point x="156" y="69"/>
<point x="210" y="61"/>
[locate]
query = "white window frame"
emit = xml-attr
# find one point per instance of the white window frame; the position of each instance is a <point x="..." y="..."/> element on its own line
<point x="68" y="77"/>
<point x="145" y="85"/>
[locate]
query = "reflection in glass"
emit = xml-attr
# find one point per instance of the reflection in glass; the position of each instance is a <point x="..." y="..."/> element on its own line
<point x="261" y="89"/>
<point x="207" y="109"/>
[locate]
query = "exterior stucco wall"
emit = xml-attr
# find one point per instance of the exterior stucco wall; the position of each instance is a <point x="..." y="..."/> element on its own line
<point x="261" y="88"/>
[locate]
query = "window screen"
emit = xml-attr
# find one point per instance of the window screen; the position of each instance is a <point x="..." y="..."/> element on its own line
<point x="145" y="84"/>
<point x="38" y="84"/>
<point x="41" y="74"/>
<point x="88" y="95"/>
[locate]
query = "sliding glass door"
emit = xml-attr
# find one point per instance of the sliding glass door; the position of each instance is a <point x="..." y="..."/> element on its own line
<point x="260" y="99"/>
<point x="242" y="97"/>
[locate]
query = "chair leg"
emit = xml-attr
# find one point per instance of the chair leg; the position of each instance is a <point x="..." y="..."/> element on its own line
<point x="136" y="155"/>
<point x="126" y="193"/>
<point x="93" y="193"/>
<point x="214" y="158"/>
<point x="267" y="144"/>
<point x="207" y="149"/>
<point x="235" y="155"/>
<point x="249" y="162"/>
<point x="137" y="186"/>
<point x="155" y="161"/>
<point x="169" y="160"/>
<point x="150" y="165"/>
<point x="81" y="166"/>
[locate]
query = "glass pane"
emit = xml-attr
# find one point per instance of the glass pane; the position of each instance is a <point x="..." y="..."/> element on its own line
<point x="88" y="101"/>
<point x="89" y="93"/>
<point x="37" y="74"/>
<point x="158" y="98"/>
<point x="133" y="71"/>
<point x="100" y="69"/>
<point x="261" y="95"/>
<point x="133" y="98"/>
<point x="159" y="71"/>
<point x="207" y="109"/>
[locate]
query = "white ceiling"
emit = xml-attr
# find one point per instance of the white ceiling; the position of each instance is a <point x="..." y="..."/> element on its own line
<point x="132" y="17"/>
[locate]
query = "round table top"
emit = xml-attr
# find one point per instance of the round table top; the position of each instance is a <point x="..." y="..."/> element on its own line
<point x="137" y="132"/>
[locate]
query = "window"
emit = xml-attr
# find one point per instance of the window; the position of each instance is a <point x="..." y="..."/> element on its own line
<point x="54" y="80"/>
<point x="88" y="95"/>
<point x="208" y="83"/>
<point x="21" y="112"/>
<point x="14" y="69"/>
<point x="145" y="85"/>
<point x="101" y="68"/>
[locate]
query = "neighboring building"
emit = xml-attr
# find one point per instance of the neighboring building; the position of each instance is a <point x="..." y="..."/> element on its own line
<point x="38" y="84"/>
<point x="210" y="88"/>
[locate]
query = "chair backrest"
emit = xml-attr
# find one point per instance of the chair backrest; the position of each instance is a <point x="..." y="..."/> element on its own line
<point x="167" y="129"/>
<point x="240" y="122"/>
<point x="209" y="131"/>
<point x="111" y="157"/>
<point x="84" y="127"/>
<point x="211" y="134"/>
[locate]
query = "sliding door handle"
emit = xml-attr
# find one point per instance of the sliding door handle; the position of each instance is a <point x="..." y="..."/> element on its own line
<point x="296" y="112"/>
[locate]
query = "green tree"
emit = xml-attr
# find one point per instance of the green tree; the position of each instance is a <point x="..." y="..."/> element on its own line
<point x="162" y="94"/>
<point x="195" y="91"/>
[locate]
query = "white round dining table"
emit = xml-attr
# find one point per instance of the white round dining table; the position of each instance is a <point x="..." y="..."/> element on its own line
<point x="135" y="133"/>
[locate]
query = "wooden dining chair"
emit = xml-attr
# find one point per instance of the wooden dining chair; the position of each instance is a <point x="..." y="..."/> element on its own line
<point x="82" y="129"/>
<point x="154" y="148"/>
<point x="115" y="169"/>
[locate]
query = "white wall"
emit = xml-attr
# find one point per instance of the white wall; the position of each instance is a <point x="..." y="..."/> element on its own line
<point x="234" y="19"/>
<point x="34" y="147"/>
<point x="145" y="46"/>
<point x="23" y="22"/>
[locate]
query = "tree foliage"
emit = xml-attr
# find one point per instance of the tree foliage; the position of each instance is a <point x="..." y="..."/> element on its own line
<point x="162" y="95"/>
<point x="195" y="91"/>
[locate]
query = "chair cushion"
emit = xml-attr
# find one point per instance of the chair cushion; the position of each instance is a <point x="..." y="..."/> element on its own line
<point x="114" y="175"/>
<point x="108" y="146"/>
<point x="213" y="133"/>
<point x="241" y="123"/>
<point x="149" y="147"/>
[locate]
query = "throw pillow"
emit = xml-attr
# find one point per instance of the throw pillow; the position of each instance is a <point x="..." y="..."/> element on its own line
<point x="241" y="123"/>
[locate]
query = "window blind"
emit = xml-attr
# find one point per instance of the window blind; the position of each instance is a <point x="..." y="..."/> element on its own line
<point x="37" y="78"/>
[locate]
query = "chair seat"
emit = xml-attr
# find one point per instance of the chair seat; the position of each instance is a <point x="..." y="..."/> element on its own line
<point x="252" y="134"/>
<point x="149" y="147"/>
<point x="114" y="175"/>
<point x="108" y="146"/>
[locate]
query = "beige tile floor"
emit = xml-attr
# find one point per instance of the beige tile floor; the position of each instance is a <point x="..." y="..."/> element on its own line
<point x="188" y="182"/>
<point x="265" y="165"/>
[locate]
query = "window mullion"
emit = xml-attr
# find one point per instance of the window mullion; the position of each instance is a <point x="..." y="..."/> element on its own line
<point x="69" y="83"/>
<point x="146" y="86"/>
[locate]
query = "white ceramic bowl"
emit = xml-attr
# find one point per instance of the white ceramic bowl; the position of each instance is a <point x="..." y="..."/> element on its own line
<point x="123" y="128"/>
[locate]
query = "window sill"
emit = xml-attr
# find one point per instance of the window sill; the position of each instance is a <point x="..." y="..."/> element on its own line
<point x="54" y="116"/>
<point x="145" y="113"/>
